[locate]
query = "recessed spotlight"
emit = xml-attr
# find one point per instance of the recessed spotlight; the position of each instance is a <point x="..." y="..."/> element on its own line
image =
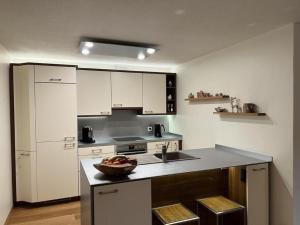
<point x="179" y="12"/>
<point x="151" y="51"/>
<point x="141" y="56"/>
<point x="85" y="51"/>
<point x="89" y="44"/>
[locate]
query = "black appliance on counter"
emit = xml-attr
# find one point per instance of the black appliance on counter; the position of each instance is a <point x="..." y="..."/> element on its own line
<point x="158" y="130"/>
<point x="87" y="135"/>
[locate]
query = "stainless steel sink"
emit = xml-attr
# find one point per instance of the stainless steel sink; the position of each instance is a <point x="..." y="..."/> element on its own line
<point x="176" y="156"/>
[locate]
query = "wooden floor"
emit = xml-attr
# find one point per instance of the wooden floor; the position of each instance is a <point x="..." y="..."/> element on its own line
<point x="60" y="214"/>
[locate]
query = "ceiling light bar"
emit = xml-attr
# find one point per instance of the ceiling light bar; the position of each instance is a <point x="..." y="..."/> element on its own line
<point x="116" y="48"/>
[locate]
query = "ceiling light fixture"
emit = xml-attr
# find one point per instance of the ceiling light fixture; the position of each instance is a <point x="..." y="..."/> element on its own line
<point x="116" y="48"/>
<point x="85" y="51"/>
<point x="151" y="51"/>
<point x="141" y="56"/>
<point x="89" y="44"/>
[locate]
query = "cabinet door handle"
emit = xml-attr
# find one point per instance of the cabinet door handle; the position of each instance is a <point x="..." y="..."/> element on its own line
<point x="259" y="169"/>
<point x="116" y="105"/>
<point x="69" y="146"/>
<point x="69" y="139"/>
<point x="108" y="192"/>
<point x="55" y="79"/>
<point x="96" y="151"/>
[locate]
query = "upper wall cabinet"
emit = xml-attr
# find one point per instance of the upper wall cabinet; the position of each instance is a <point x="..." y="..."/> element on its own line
<point x="154" y="94"/>
<point x="93" y="93"/>
<point x="127" y="90"/>
<point x="55" y="74"/>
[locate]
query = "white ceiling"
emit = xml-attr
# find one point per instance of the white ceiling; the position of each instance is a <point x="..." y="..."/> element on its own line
<point x="184" y="29"/>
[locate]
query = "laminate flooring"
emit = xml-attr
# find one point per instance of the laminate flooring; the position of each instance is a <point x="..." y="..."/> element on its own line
<point x="59" y="214"/>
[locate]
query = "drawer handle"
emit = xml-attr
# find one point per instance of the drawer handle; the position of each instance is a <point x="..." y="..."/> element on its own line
<point x="55" y="79"/>
<point x="260" y="169"/>
<point x="96" y="151"/>
<point x="69" y="146"/>
<point x="104" y="113"/>
<point x="108" y="192"/>
<point x="69" y="138"/>
<point x="25" y="154"/>
<point x="116" y="105"/>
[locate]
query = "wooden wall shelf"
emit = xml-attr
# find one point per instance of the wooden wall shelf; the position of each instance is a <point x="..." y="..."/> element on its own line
<point x="239" y="114"/>
<point x="212" y="98"/>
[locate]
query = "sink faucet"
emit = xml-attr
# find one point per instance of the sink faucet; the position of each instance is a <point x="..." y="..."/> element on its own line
<point x="164" y="149"/>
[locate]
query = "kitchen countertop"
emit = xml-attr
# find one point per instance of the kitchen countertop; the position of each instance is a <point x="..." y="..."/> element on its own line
<point x="210" y="158"/>
<point x="110" y="141"/>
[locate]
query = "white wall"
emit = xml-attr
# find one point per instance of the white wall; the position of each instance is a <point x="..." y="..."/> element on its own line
<point x="5" y="158"/>
<point x="258" y="70"/>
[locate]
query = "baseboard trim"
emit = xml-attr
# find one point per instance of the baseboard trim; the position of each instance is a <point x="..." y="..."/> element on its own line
<point x="46" y="203"/>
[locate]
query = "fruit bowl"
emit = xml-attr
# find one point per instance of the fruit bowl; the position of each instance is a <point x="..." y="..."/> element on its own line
<point x="119" y="165"/>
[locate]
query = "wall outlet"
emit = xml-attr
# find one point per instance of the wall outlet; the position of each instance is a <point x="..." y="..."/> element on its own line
<point x="149" y="128"/>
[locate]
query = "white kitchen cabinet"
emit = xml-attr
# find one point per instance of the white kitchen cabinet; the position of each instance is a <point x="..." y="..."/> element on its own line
<point x="26" y="176"/>
<point x="108" y="149"/>
<point x="155" y="147"/>
<point x="57" y="170"/>
<point x="55" y="74"/>
<point x="126" y="90"/>
<point x="174" y="145"/>
<point x="56" y="112"/>
<point x="258" y="194"/>
<point x="24" y="108"/>
<point x="126" y="203"/>
<point x="93" y="92"/>
<point x="154" y="94"/>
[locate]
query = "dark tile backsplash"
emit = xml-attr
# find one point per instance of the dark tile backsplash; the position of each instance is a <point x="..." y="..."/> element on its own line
<point x="121" y="123"/>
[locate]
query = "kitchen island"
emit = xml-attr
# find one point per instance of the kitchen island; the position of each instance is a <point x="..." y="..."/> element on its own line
<point x="216" y="171"/>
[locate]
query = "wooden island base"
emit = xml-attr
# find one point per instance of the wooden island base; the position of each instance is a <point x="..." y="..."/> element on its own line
<point x="185" y="188"/>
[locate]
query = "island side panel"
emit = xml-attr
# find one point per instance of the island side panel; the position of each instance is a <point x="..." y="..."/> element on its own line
<point x="86" y="200"/>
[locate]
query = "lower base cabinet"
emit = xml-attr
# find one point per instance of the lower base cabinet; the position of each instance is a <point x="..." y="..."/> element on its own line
<point x="126" y="203"/>
<point x="57" y="173"/>
<point x="26" y="176"/>
<point x="258" y="194"/>
<point x="155" y="147"/>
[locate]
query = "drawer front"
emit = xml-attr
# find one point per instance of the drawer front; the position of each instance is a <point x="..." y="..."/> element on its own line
<point x="155" y="145"/>
<point x="97" y="150"/>
<point x="174" y="145"/>
<point x="55" y="74"/>
<point x="94" y="156"/>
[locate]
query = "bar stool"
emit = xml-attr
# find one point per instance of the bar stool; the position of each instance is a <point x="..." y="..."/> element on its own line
<point x="219" y="205"/>
<point x="175" y="214"/>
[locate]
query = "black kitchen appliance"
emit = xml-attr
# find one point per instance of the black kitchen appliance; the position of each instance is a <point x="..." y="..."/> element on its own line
<point x="158" y="130"/>
<point x="87" y="135"/>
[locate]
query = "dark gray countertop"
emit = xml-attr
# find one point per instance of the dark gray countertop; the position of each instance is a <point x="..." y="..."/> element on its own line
<point x="110" y="141"/>
<point x="210" y="158"/>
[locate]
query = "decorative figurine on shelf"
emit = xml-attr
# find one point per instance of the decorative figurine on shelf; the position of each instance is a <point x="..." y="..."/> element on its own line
<point x="171" y="109"/>
<point x="202" y="94"/>
<point x="170" y="83"/>
<point x="191" y="95"/>
<point x="169" y="97"/>
<point x="235" y="105"/>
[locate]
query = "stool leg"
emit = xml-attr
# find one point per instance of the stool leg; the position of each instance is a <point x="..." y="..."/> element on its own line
<point x="217" y="220"/>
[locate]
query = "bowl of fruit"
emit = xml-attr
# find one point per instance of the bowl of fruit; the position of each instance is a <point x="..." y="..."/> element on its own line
<point x="119" y="165"/>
